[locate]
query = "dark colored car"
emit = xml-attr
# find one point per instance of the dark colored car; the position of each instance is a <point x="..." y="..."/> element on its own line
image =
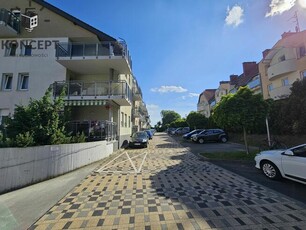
<point x="187" y="136"/>
<point x="139" y="139"/>
<point x="150" y="134"/>
<point x="209" y="135"/>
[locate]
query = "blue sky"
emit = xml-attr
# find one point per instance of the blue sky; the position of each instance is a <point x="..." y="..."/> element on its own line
<point x="181" y="47"/>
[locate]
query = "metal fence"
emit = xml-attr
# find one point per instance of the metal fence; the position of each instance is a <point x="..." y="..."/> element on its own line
<point x="80" y="88"/>
<point x="94" y="130"/>
<point x="10" y="19"/>
<point x="106" y="48"/>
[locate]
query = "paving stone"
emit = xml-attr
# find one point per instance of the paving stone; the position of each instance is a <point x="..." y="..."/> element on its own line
<point x="174" y="190"/>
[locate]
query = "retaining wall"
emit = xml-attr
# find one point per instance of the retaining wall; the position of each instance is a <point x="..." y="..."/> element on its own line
<point x="24" y="166"/>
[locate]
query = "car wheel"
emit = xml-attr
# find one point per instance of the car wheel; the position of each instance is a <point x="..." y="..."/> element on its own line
<point x="201" y="140"/>
<point x="223" y="139"/>
<point x="270" y="170"/>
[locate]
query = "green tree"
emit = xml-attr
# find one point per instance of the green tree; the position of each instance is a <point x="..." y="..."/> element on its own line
<point x="242" y="109"/>
<point x="39" y="123"/>
<point x="296" y="107"/>
<point x="181" y="122"/>
<point x="196" y="120"/>
<point x="169" y="116"/>
<point x="287" y="116"/>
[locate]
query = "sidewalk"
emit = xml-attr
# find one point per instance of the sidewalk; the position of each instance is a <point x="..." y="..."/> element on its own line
<point x="21" y="208"/>
<point x="167" y="187"/>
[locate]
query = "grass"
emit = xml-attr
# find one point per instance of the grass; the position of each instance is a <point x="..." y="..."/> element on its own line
<point x="230" y="156"/>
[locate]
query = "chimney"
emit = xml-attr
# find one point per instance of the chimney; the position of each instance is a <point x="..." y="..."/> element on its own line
<point x="248" y="68"/>
<point x="233" y="79"/>
<point x="265" y="53"/>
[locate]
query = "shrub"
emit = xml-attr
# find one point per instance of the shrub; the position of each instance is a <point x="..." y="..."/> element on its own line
<point x="25" y="139"/>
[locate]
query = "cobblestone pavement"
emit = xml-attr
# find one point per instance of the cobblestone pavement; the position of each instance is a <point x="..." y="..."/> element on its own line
<point x="167" y="187"/>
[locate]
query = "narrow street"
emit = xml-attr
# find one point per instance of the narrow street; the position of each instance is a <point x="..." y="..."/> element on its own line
<point x="167" y="187"/>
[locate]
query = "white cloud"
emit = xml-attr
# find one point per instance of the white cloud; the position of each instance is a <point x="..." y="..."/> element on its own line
<point x="190" y="95"/>
<point x="152" y="107"/>
<point x="169" y="89"/>
<point x="234" y="16"/>
<point x="280" y="6"/>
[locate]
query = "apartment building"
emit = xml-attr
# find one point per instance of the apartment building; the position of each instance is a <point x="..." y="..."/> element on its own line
<point x="283" y="64"/>
<point x="206" y="101"/>
<point x="43" y="46"/>
<point x="249" y="77"/>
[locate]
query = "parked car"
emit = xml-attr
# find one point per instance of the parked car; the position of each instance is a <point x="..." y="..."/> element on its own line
<point x="169" y="130"/>
<point x="187" y="136"/>
<point x="150" y="134"/>
<point x="139" y="139"/>
<point x="290" y="163"/>
<point x="208" y="135"/>
<point x="180" y="131"/>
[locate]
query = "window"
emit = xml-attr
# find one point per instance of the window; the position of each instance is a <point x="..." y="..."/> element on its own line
<point x="285" y="82"/>
<point x="270" y="87"/>
<point x="281" y="58"/>
<point x="23" y="82"/>
<point x="125" y="120"/>
<point x="11" y="49"/>
<point x="129" y="121"/>
<point x="26" y="50"/>
<point x="7" y="80"/>
<point x="122" y="119"/>
<point x="304" y="74"/>
<point x="4" y="115"/>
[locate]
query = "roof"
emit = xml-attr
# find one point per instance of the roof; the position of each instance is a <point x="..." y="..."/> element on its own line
<point x="101" y="36"/>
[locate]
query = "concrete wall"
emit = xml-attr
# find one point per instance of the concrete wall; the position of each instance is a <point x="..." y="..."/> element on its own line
<point x="24" y="166"/>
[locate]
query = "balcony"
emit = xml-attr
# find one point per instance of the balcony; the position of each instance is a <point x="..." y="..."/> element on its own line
<point x="135" y="112"/>
<point x="137" y="94"/>
<point x="94" y="58"/>
<point x="281" y="68"/>
<point x="9" y="24"/>
<point x="91" y="92"/>
<point x="280" y="92"/>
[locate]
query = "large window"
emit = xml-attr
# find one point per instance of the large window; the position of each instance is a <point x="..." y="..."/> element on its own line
<point x="26" y="50"/>
<point x="285" y="82"/>
<point x="7" y="81"/>
<point x="270" y="87"/>
<point x="11" y="49"/>
<point x="23" y="81"/>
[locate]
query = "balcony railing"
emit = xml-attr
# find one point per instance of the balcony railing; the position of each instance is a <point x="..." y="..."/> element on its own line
<point x="102" y="49"/>
<point x="110" y="89"/>
<point x="281" y="68"/>
<point x="280" y="92"/>
<point x="9" y="19"/>
<point x="93" y="130"/>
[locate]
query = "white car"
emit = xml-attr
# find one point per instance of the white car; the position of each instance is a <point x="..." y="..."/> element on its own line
<point x="290" y="163"/>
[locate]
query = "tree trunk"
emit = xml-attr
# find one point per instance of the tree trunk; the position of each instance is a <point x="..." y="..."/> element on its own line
<point x="245" y="141"/>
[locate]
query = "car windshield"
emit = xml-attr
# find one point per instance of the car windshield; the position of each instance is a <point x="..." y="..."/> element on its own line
<point x="140" y="135"/>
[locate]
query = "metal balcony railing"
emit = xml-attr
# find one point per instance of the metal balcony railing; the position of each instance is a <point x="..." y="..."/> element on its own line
<point x="106" y="48"/>
<point x="94" y="89"/>
<point x="93" y="130"/>
<point x="8" y="18"/>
